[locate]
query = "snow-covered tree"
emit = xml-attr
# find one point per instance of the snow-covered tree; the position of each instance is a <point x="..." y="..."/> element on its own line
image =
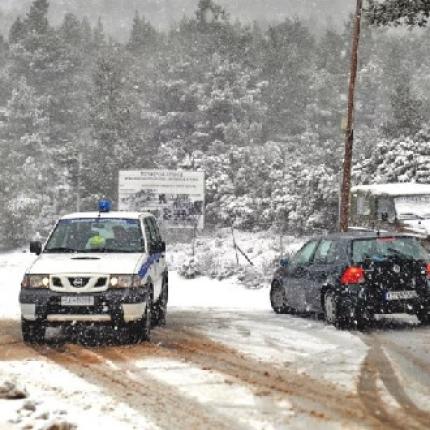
<point x="397" y="12"/>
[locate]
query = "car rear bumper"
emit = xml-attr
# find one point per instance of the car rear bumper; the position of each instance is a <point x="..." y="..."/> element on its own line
<point x="110" y="307"/>
<point x="375" y="302"/>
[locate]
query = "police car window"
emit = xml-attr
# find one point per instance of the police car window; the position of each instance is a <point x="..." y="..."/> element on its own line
<point x="150" y="233"/>
<point x="304" y="256"/>
<point x="154" y="229"/>
<point x="96" y="235"/>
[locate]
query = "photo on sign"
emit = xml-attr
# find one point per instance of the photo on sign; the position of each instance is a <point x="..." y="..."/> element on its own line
<point x="175" y="198"/>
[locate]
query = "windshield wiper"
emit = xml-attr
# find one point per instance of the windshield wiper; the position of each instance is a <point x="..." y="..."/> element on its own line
<point x="108" y="250"/>
<point x="60" y="249"/>
<point x="410" y="215"/>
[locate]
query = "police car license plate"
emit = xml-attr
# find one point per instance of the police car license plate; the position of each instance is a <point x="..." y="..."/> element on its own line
<point x="400" y="295"/>
<point x="77" y="301"/>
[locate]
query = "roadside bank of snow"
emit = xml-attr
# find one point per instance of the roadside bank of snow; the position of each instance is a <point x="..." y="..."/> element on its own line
<point x="12" y="269"/>
<point x="207" y="293"/>
<point x="56" y="396"/>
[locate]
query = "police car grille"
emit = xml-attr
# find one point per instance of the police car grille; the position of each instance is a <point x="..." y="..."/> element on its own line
<point x="101" y="282"/>
<point x="56" y="282"/>
<point x="82" y="282"/>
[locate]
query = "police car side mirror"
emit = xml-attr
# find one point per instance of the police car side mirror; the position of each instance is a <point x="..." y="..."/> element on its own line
<point x="36" y="247"/>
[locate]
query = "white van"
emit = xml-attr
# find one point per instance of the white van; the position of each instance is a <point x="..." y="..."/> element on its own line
<point x="100" y="268"/>
<point x="402" y="207"/>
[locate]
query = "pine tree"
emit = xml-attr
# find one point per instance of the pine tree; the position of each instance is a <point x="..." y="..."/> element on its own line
<point x="70" y="30"/>
<point x="17" y="31"/>
<point x="143" y="37"/>
<point x="37" y="17"/>
<point x="86" y="33"/>
<point x="99" y="37"/>
<point x="23" y="149"/>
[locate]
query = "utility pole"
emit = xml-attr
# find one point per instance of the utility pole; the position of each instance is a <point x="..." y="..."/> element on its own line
<point x="349" y="132"/>
<point x="78" y="181"/>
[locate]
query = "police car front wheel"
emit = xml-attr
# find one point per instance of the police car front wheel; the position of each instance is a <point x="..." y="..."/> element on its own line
<point x="32" y="331"/>
<point x="140" y="330"/>
<point x="159" y="313"/>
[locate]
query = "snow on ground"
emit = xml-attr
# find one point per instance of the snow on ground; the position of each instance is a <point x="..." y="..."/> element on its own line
<point x="310" y="346"/>
<point x="207" y="293"/>
<point x="248" y="311"/>
<point x="72" y="399"/>
<point x="12" y="268"/>
<point x="305" y="344"/>
<point x="211" y="390"/>
<point x="224" y="311"/>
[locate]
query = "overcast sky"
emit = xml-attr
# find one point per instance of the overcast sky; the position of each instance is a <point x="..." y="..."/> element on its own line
<point x="118" y="14"/>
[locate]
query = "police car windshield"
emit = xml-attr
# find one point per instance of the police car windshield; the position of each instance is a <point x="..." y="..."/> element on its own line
<point x="96" y="235"/>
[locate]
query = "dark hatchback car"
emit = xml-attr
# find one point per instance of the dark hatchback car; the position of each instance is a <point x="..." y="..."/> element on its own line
<point x="350" y="277"/>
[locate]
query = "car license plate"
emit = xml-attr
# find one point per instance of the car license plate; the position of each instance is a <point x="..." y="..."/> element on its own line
<point x="401" y="295"/>
<point x="77" y="301"/>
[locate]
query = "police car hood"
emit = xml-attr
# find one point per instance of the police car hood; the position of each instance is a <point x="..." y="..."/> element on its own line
<point x="421" y="227"/>
<point x="101" y="263"/>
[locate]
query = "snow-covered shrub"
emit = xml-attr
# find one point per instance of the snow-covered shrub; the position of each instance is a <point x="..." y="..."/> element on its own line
<point x="397" y="160"/>
<point x="189" y="268"/>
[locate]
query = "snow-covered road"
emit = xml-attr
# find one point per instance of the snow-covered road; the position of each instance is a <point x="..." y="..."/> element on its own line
<point x="224" y="360"/>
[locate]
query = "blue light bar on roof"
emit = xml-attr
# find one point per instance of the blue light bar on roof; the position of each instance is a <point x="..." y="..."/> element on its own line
<point x="105" y="205"/>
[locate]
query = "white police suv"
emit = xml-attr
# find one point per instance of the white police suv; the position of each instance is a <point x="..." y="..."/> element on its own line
<point x="98" y="268"/>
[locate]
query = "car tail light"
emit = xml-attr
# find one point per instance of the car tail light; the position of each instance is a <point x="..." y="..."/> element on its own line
<point x="428" y="270"/>
<point x="352" y="275"/>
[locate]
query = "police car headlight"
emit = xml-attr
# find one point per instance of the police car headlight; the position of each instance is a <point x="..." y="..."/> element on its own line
<point x="35" y="281"/>
<point x="124" y="281"/>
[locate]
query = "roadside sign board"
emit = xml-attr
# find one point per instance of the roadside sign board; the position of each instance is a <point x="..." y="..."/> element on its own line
<point x="176" y="198"/>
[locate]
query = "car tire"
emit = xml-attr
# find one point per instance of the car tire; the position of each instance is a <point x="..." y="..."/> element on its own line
<point x="145" y="323"/>
<point x="160" y="308"/>
<point x="32" y="332"/>
<point x="331" y="313"/>
<point x="424" y="316"/>
<point x="278" y="299"/>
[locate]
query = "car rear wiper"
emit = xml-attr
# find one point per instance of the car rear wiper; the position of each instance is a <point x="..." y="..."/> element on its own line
<point x="60" y="249"/>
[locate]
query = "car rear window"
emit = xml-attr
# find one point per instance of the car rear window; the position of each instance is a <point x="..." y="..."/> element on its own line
<point x="388" y="247"/>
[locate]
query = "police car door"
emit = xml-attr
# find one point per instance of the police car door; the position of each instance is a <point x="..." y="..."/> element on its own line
<point x="153" y="249"/>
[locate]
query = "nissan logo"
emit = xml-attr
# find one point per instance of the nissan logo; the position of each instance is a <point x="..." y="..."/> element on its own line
<point x="78" y="282"/>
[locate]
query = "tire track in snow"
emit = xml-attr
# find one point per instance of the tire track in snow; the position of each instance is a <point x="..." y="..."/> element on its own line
<point x="253" y="414"/>
<point x="318" y="399"/>
<point x="408" y="355"/>
<point x="161" y="402"/>
<point x="377" y="365"/>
